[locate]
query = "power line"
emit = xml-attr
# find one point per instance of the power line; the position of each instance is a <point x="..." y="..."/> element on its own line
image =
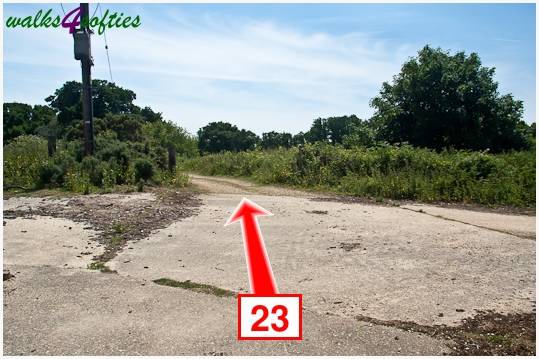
<point x="95" y="10"/>
<point x="106" y="44"/>
<point x="104" y="37"/>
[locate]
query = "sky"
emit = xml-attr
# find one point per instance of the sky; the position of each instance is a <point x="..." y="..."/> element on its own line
<point x="269" y="67"/>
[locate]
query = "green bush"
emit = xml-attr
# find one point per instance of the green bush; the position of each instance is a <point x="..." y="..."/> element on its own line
<point x="140" y="186"/>
<point x="77" y="181"/>
<point x="143" y="170"/>
<point x="176" y="179"/>
<point x="23" y="159"/>
<point x="387" y="171"/>
<point x="92" y="167"/>
<point x="51" y="174"/>
<point x="110" y="175"/>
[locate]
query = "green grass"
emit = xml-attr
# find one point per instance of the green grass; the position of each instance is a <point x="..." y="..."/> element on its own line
<point x="499" y="339"/>
<point x="119" y="228"/>
<point x="196" y="287"/>
<point x="116" y="241"/>
<point x="386" y="172"/>
<point x="100" y="266"/>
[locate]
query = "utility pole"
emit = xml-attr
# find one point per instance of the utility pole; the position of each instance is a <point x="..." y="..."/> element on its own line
<point x="83" y="53"/>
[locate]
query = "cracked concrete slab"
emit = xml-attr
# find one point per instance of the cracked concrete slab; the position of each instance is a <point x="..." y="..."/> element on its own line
<point x="49" y="241"/>
<point x="347" y="259"/>
<point x="518" y="225"/>
<point x="382" y="262"/>
<point x="52" y="311"/>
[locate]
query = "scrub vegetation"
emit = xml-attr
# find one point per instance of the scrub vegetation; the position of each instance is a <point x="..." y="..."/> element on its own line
<point x="385" y="171"/>
<point x="43" y="145"/>
<point x="440" y="131"/>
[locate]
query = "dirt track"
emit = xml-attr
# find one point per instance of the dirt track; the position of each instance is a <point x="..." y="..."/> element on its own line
<point x="415" y="263"/>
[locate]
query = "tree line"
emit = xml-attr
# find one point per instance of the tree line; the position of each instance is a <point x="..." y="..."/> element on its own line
<point x="133" y="144"/>
<point x="438" y="100"/>
<point x="115" y="117"/>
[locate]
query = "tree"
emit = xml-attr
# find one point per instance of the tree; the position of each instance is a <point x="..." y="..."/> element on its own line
<point x="22" y="119"/>
<point x="221" y="136"/>
<point x="275" y="140"/>
<point x="439" y="100"/>
<point x="108" y="98"/>
<point x="50" y="131"/>
<point x="128" y="127"/>
<point x="17" y="117"/>
<point x="332" y="129"/>
<point x="150" y="116"/>
<point x="42" y="115"/>
<point x="298" y="139"/>
<point x="66" y="101"/>
<point x="362" y="135"/>
<point x="246" y="140"/>
<point x="171" y="136"/>
<point x="528" y="132"/>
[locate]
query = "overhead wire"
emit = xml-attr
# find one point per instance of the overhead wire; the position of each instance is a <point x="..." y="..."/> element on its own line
<point x="95" y="10"/>
<point x="104" y="37"/>
<point x="106" y="44"/>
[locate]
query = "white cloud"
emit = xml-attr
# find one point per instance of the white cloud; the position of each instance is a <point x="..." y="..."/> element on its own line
<point x="260" y="75"/>
<point x="256" y="74"/>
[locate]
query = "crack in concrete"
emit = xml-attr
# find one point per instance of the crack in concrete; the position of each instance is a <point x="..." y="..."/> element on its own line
<point x="522" y="236"/>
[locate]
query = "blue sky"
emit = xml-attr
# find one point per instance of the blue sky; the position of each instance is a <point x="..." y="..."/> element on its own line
<point x="270" y="67"/>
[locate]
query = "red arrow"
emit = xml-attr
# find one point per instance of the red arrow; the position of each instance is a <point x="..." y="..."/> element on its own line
<point x="260" y="274"/>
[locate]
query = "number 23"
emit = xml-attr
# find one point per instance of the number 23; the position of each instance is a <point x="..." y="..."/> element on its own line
<point x="258" y="327"/>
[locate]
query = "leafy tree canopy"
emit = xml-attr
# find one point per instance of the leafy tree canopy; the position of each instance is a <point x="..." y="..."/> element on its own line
<point x="222" y="136"/>
<point x="275" y="140"/>
<point x="298" y="139"/>
<point x="439" y="100"/>
<point x="20" y="119"/>
<point x="122" y="129"/>
<point x="165" y="133"/>
<point x="332" y="129"/>
<point x="360" y="135"/>
<point x="107" y="98"/>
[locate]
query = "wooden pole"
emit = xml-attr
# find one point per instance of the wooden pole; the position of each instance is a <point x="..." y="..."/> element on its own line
<point x="87" y="103"/>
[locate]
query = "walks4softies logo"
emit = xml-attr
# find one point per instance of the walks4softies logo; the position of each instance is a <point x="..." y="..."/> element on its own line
<point x="72" y="19"/>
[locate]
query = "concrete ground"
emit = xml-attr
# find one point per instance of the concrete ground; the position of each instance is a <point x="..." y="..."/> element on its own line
<point x="54" y="311"/>
<point x="418" y="263"/>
